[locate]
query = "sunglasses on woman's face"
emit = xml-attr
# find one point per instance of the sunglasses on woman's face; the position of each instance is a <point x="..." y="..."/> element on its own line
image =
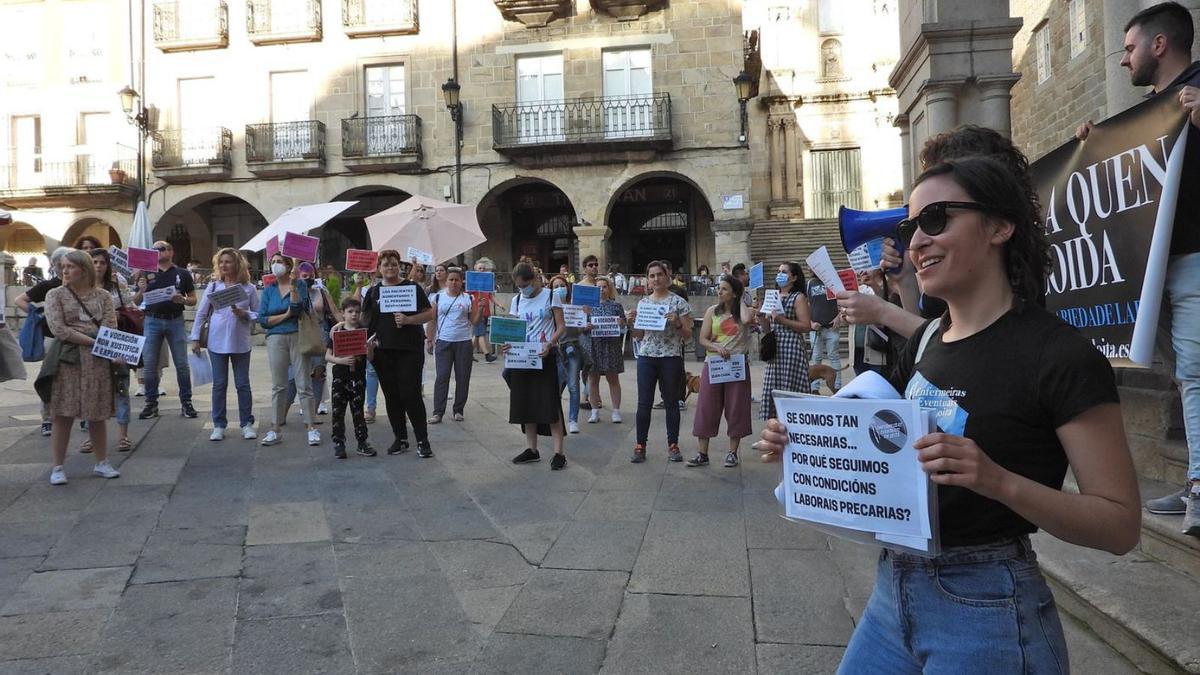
<point x="932" y="220"/>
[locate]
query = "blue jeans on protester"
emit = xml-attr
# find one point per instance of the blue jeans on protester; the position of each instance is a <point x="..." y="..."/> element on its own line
<point x="372" y="386"/>
<point x="175" y="333"/>
<point x="667" y="373"/>
<point x="568" y="376"/>
<point x="241" y="382"/>
<point x="1183" y="298"/>
<point x="972" y="609"/>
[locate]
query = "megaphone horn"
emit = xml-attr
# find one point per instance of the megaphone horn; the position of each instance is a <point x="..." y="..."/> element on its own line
<point x="867" y="229"/>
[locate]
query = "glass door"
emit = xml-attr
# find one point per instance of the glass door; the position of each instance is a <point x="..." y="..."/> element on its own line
<point x="290" y="96"/>
<point x="385" y="133"/>
<point x="628" y="105"/>
<point x="540" y="107"/>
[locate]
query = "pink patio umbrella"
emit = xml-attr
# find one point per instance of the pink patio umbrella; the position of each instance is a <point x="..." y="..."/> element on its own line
<point x="440" y="228"/>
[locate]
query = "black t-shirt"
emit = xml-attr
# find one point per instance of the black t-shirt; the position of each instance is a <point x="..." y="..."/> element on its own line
<point x="1008" y="388"/>
<point x="1185" y="238"/>
<point x="820" y="308"/>
<point x="381" y="324"/>
<point x="172" y="276"/>
<point x="38" y="294"/>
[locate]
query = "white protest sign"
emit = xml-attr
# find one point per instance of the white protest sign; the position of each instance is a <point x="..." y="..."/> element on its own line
<point x="574" y="316"/>
<point x="119" y="260"/>
<point x="114" y="344"/>
<point x="523" y="356"/>
<point x="398" y="298"/>
<point x="227" y="297"/>
<point x="732" y="369"/>
<point x="822" y="265"/>
<point x="771" y="302"/>
<point x="158" y="295"/>
<point x="606" y="326"/>
<point x="423" y="257"/>
<point x="651" y="316"/>
<point x="851" y="464"/>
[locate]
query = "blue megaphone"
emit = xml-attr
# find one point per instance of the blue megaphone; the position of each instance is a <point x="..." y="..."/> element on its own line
<point x="863" y="233"/>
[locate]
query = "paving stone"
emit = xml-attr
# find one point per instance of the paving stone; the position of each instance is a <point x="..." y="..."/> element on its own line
<point x="533" y="540"/>
<point x="21" y="475"/>
<point x="36" y="538"/>
<point x="597" y="545"/>
<point x="470" y="565"/>
<point x="792" y="587"/>
<point x="392" y="559"/>
<point x="144" y="469"/>
<point x="305" y="644"/>
<point x="508" y="507"/>
<point x="448" y="517"/>
<point x="102" y="540"/>
<point x="670" y="633"/>
<point x="42" y="502"/>
<point x="693" y="553"/>
<point x="617" y="505"/>
<point x="682" y="494"/>
<point x="13" y="572"/>
<point x="378" y="521"/>
<point x="68" y="591"/>
<point x="25" y="636"/>
<point x="784" y="659"/>
<point x="287" y="523"/>
<point x="62" y="665"/>
<point x="176" y="554"/>
<point x="119" y="497"/>
<point x="767" y="528"/>
<point x="574" y="603"/>
<point x="173" y="626"/>
<point x="296" y="487"/>
<point x="485" y="607"/>
<point x="507" y="653"/>
<point x="288" y="580"/>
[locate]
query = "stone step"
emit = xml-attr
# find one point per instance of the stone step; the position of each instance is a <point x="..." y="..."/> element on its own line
<point x="1156" y="413"/>
<point x="1161" y="535"/>
<point x="1145" y="378"/>
<point x="1159" y="459"/>
<point x="1138" y="605"/>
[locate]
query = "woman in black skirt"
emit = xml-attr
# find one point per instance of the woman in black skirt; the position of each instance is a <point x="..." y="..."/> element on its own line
<point x="535" y="402"/>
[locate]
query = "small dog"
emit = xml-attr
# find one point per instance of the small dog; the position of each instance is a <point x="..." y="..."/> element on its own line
<point x="692" y="387"/>
<point x="823" y="372"/>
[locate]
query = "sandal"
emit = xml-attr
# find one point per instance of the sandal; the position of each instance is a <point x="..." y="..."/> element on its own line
<point x="124" y="445"/>
<point x="86" y="446"/>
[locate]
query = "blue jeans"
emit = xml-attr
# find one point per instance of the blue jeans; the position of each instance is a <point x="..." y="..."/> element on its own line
<point x="1183" y="299"/>
<point x="241" y="381"/>
<point x="568" y="376"/>
<point x="973" y="609"/>
<point x="372" y="386"/>
<point x="827" y="344"/>
<point x="665" y="372"/>
<point x="173" y="331"/>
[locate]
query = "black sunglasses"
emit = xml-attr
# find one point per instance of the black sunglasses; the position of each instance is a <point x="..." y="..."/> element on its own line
<point x="160" y="249"/>
<point x="932" y="219"/>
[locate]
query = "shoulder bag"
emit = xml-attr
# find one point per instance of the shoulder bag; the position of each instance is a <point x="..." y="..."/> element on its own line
<point x="129" y="319"/>
<point x="32" y="337"/>
<point x="312" y="340"/>
<point x="207" y="319"/>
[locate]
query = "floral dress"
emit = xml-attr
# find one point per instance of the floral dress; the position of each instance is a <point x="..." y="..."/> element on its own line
<point x="81" y="390"/>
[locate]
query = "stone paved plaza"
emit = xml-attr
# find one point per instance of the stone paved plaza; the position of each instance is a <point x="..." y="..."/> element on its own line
<point x="229" y="557"/>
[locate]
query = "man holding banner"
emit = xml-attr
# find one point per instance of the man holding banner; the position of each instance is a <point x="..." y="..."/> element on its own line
<point x="1158" y="46"/>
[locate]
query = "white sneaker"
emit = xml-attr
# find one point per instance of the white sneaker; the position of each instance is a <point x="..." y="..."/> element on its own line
<point x="218" y="434"/>
<point x="58" y="476"/>
<point x="594" y="417"/>
<point x="271" y="438"/>
<point x="322" y="409"/>
<point x="572" y="427"/>
<point x="314" y="437"/>
<point x="616" y="416"/>
<point x="105" y="470"/>
<point x="141" y="390"/>
<point x="248" y="432"/>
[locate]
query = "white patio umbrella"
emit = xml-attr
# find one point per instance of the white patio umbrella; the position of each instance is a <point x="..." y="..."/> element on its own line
<point x="441" y="228"/>
<point x="300" y="219"/>
<point x="141" y="235"/>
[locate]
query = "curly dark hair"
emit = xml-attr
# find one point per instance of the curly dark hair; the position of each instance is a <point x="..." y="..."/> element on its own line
<point x="993" y="184"/>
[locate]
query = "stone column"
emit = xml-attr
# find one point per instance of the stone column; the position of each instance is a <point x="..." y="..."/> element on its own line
<point x="733" y="240"/>
<point x="906" y="150"/>
<point x="995" y="100"/>
<point x="775" y="145"/>
<point x="591" y="242"/>
<point x="941" y="105"/>
<point x="791" y="161"/>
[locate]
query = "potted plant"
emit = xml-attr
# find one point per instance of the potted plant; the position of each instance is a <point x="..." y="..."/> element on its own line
<point x="116" y="174"/>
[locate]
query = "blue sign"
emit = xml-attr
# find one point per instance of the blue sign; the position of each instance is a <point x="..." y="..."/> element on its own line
<point x="756" y="276"/>
<point x="587" y="296"/>
<point x="481" y="282"/>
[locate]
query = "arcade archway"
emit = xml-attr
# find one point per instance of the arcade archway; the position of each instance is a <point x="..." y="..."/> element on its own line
<point x="200" y="225"/>
<point x="660" y="217"/>
<point x="536" y="217"/>
<point x="92" y="227"/>
<point x="349" y="229"/>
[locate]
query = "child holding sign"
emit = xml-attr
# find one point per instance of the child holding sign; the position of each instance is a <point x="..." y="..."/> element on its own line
<point x="725" y="334"/>
<point x="349" y="378"/>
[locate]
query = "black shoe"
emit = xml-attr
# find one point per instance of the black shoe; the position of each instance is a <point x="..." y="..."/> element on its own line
<point x="187" y="410"/>
<point x="558" y="462"/>
<point x="423" y="450"/>
<point x="527" y="456"/>
<point x="148" y="412"/>
<point x="398" y="446"/>
<point x="490" y="358"/>
<point x="366" y="450"/>
<point x="339" y="450"/>
<point x="47" y="428"/>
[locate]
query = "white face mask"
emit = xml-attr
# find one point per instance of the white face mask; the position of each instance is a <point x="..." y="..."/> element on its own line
<point x="278" y="269"/>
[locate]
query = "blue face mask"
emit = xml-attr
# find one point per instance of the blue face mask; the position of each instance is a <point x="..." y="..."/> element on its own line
<point x="527" y="292"/>
<point x="781" y="279"/>
<point x="561" y="293"/>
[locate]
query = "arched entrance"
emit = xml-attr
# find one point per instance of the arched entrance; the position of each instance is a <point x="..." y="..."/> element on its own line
<point x="349" y="229"/>
<point x="660" y="217"/>
<point x="536" y="217"/>
<point x="92" y="227"/>
<point x="202" y="224"/>
<point x="23" y="242"/>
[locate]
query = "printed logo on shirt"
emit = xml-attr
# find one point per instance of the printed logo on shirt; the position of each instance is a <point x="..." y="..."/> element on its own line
<point x="941" y="403"/>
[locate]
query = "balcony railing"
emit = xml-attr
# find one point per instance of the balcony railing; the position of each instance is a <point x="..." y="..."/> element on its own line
<point x="77" y="172"/>
<point x="363" y="18"/>
<point x="272" y="21"/>
<point x="193" y="148"/>
<point x="381" y="136"/>
<point x="285" y="142"/>
<point x="190" y="24"/>
<point x="626" y="120"/>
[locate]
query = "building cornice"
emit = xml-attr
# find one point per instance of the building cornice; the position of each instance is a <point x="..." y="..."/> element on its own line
<point x="934" y="33"/>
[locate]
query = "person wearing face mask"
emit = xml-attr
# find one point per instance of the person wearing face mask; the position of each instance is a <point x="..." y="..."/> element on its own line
<point x="826" y="337"/>
<point x="788" y="369"/>
<point x="535" y="400"/>
<point x="279" y="309"/>
<point x="570" y="355"/>
<point x="449" y="338"/>
<point x="327" y="314"/>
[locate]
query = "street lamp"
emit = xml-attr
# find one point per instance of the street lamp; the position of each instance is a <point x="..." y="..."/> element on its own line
<point x="744" y="85"/>
<point x="135" y="112"/>
<point x="450" y="92"/>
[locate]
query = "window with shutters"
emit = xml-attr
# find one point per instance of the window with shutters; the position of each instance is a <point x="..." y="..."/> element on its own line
<point x="836" y="181"/>
<point x="1077" y="11"/>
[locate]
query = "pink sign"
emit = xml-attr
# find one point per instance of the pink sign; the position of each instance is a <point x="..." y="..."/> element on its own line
<point x="268" y="279"/>
<point x="300" y="246"/>
<point x="358" y="260"/>
<point x="144" y="259"/>
<point x="272" y="247"/>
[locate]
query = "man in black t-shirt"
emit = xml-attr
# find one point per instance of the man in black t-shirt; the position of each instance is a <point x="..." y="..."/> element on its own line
<point x="826" y="338"/>
<point x="164" y="321"/>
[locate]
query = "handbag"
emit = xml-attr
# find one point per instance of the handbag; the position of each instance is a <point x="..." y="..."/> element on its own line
<point x="129" y="319"/>
<point x="312" y="342"/>
<point x="203" y="341"/>
<point x="767" y="345"/>
<point x="32" y="337"/>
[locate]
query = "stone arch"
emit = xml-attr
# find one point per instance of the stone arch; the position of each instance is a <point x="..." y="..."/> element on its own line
<point x="22" y="241"/>
<point x="660" y="215"/>
<point x="831" y="59"/>
<point x="349" y="229"/>
<point x="93" y="227"/>
<point x="528" y="216"/>
<point x="200" y="224"/>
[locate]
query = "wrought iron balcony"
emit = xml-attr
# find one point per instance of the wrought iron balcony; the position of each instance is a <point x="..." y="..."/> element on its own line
<point x="628" y="10"/>
<point x="374" y="143"/>
<point x="534" y="13"/>
<point x="286" y="148"/>
<point x="368" y="18"/>
<point x="611" y="123"/>
<point x="275" y="21"/>
<point x="190" y="154"/>
<point x="92" y="180"/>
<point x="182" y="25"/>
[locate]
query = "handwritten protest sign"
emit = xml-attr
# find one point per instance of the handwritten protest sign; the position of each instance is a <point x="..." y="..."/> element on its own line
<point x="771" y="302"/>
<point x="423" y="257"/>
<point x="398" y="298"/>
<point x="574" y="316"/>
<point x="153" y="297"/>
<point x="523" y="356"/>
<point x="585" y="296"/>
<point x="503" y="330"/>
<point x="144" y="259"/>
<point x="756" y="276"/>
<point x="227" y="297"/>
<point x="651" y="316"/>
<point x="272" y="247"/>
<point x="849" y="281"/>
<point x="114" y="344"/>
<point x="349" y="342"/>
<point x="358" y="260"/>
<point x="300" y="246"/>
<point x="606" y="326"/>
<point x="119" y="260"/>
<point x="732" y="369"/>
<point x="481" y="282"/>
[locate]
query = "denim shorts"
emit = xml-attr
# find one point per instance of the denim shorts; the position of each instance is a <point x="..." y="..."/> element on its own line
<point x="973" y="609"/>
